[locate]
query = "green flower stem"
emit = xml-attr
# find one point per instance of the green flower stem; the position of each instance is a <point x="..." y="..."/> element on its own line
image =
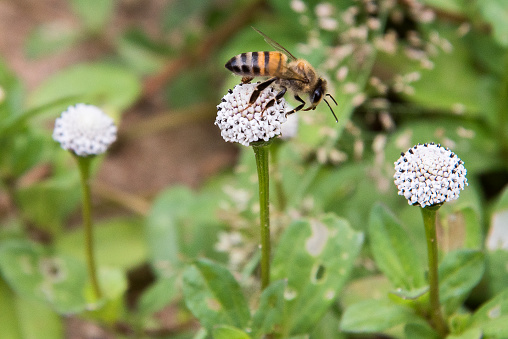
<point x="429" y="221"/>
<point x="84" y="169"/>
<point x="261" y="151"/>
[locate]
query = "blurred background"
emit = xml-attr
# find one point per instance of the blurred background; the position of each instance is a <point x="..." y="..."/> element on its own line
<point x="43" y="38"/>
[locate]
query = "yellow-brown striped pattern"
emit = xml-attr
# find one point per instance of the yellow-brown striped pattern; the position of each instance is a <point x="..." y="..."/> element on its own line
<point x="257" y="63"/>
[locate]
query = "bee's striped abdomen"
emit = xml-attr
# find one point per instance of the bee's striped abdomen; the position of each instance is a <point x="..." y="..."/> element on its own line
<point x="257" y="63"/>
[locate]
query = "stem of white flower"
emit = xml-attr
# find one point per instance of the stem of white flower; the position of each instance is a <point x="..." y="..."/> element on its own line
<point x="261" y="151"/>
<point x="429" y="221"/>
<point x="84" y="169"/>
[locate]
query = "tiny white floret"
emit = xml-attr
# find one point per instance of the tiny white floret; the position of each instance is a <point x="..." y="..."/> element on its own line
<point x="85" y="130"/>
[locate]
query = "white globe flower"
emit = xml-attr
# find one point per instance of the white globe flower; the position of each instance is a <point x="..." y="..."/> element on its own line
<point x="85" y="130"/>
<point x="290" y="127"/>
<point x="429" y="174"/>
<point x="245" y="123"/>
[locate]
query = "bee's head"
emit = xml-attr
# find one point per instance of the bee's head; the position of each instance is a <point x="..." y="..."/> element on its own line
<point x="318" y="95"/>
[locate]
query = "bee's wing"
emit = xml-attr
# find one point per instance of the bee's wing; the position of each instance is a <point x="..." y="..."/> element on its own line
<point x="289" y="74"/>
<point x="275" y="44"/>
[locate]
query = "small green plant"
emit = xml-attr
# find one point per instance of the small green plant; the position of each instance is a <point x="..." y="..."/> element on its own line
<point x="86" y="131"/>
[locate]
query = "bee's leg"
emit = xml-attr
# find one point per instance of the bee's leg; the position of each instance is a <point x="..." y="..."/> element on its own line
<point x="299" y="107"/>
<point x="277" y="97"/>
<point x="269" y="104"/>
<point x="281" y="93"/>
<point x="246" y="80"/>
<point x="260" y="88"/>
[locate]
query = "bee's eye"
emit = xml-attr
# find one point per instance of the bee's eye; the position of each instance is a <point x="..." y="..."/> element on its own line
<point x="317" y="95"/>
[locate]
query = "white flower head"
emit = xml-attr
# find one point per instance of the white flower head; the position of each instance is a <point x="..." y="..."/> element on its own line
<point x="85" y="130"/>
<point x="429" y="174"/>
<point x="242" y="122"/>
<point x="290" y="127"/>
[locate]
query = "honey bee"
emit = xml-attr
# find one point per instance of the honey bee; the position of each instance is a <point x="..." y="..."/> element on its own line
<point x="284" y="70"/>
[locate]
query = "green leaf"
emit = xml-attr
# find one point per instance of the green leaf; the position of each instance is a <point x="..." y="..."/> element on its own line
<point x="37" y="320"/>
<point x="16" y="124"/>
<point x="19" y="261"/>
<point x="199" y="80"/>
<point x="496" y="328"/>
<point x="315" y="257"/>
<point x="496" y="13"/>
<point x="28" y="151"/>
<point x="140" y="53"/>
<point x="48" y="203"/>
<point x="111" y="87"/>
<point x="94" y="13"/>
<point x="214" y="296"/>
<point x="327" y="327"/>
<point x="474" y="333"/>
<point x="496" y="271"/>
<point x="12" y="95"/>
<point x="392" y="250"/>
<point x="269" y="312"/>
<point x="412" y="294"/>
<point x="162" y="226"/>
<point x="110" y="307"/>
<point x="229" y="332"/>
<point x="364" y="288"/>
<point x="21" y="151"/>
<point x="335" y="188"/>
<point x="420" y="331"/>
<point x="118" y="242"/>
<point x="449" y="6"/>
<point x="113" y="281"/>
<point x="489" y="55"/>
<point x="459" y="272"/>
<point x="59" y="280"/>
<point x="459" y="322"/>
<point x="181" y="226"/>
<point x="373" y="316"/>
<point x="502" y="204"/>
<point x="473" y="227"/>
<point x="8" y="320"/>
<point x="178" y="14"/>
<point x="157" y="296"/>
<point x="492" y="317"/>
<point x="50" y="38"/>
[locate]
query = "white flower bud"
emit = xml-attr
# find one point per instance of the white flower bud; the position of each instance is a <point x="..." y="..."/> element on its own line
<point x="429" y="174"/>
<point x="85" y="130"/>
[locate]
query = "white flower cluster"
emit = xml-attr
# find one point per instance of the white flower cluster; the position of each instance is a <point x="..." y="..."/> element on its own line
<point x="429" y="174"/>
<point x="85" y="130"/>
<point x="290" y="127"/>
<point x="244" y="123"/>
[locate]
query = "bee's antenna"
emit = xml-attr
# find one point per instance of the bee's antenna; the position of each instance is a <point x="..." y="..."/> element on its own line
<point x="336" y="120"/>
<point x="332" y="98"/>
